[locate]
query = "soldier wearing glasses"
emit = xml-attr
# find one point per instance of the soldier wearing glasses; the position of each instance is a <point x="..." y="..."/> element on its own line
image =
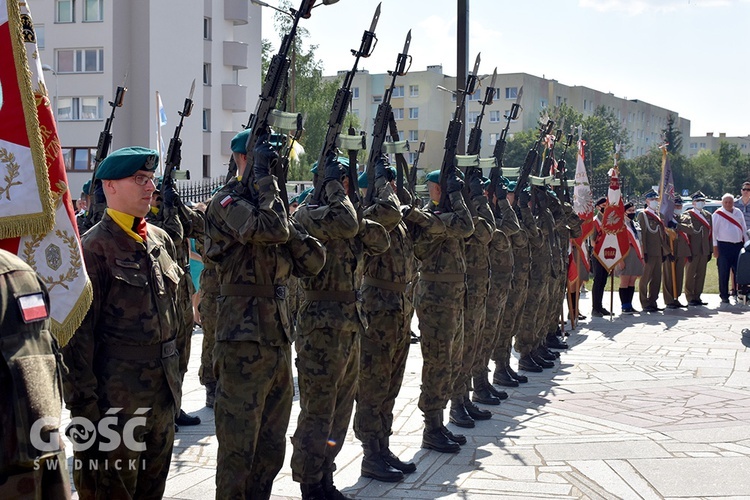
<point x="123" y="360"/>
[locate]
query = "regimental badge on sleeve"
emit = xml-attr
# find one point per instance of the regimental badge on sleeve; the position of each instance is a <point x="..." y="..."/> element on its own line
<point x="33" y="307"/>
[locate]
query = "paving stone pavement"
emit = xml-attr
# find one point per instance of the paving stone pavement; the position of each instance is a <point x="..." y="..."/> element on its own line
<point x="646" y="406"/>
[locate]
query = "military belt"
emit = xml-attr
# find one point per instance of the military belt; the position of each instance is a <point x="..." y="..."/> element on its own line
<point x="265" y="291"/>
<point x="386" y="285"/>
<point x="335" y="295"/>
<point x="479" y="273"/>
<point x="444" y="277"/>
<point x="139" y="352"/>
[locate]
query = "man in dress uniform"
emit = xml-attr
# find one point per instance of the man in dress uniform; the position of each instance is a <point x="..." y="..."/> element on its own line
<point x="701" y="248"/>
<point x="123" y="361"/>
<point x="678" y="229"/>
<point x="32" y="389"/>
<point x="255" y="249"/>
<point x="655" y="251"/>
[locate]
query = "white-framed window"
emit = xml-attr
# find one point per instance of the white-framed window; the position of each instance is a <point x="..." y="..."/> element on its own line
<point x="93" y="11"/>
<point x="558" y="100"/>
<point x="80" y="60"/>
<point x="511" y="92"/>
<point x="693" y="145"/>
<point x="494" y="138"/>
<point x="414" y="135"/>
<point x="40" y="35"/>
<point x="412" y="157"/>
<point x="413" y="90"/>
<point x="703" y="145"/>
<point x="64" y="11"/>
<point x="398" y="91"/>
<point x="206" y="120"/>
<point x="472" y="116"/>
<point x="377" y="99"/>
<point x="413" y="113"/>
<point x="80" y="108"/>
<point x="355" y="92"/>
<point x="495" y="116"/>
<point x="207" y="74"/>
<point x="476" y="96"/>
<point x="79" y="159"/>
<point x="207" y="28"/>
<point x="543" y="103"/>
<point x="398" y="113"/>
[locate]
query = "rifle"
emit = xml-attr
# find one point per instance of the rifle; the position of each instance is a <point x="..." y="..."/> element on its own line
<point x="497" y="171"/>
<point x="475" y="142"/>
<point x="531" y="159"/>
<point x="383" y="119"/>
<point x="174" y="151"/>
<point x="563" y="192"/>
<point x="338" y="113"/>
<point x="402" y="167"/>
<point x="448" y="167"/>
<point x="102" y="150"/>
<point x="412" y="177"/>
<point x="259" y="121"/>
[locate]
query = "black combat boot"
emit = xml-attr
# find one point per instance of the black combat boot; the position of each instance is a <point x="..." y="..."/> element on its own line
<point x="495" y="392"/>
<point x="474" y="411"/>
<point x="521" y="378"/>
<point x="329" y="490"/>
<point x="458" y="414"/>
<point x="312" y="491"/>
<point x="482" y="393"/>
<point x="539" y="360"/>
<point x="375" y="466"/>
<point x="502" y="376"/>
<point x="434" y="438"/>
<point x="555" y="342"/>
<point x="529" y="364"/>
<point x="392" y="460"/>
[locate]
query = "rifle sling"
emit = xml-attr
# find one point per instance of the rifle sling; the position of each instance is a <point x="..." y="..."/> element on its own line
<point x="443" y="277"/>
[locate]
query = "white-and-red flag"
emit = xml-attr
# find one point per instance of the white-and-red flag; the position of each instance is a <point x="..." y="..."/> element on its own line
<point x="612" y="244"/>
<point x="583" y="205"/>
<point x="37" y="221"/>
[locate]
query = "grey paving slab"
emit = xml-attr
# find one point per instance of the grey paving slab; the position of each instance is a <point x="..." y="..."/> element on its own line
<point x="698" y="476"/>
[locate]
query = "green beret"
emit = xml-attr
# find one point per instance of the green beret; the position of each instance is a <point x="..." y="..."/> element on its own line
<point x="126" y="162"/>
<point x="344" y="161"/>
<point x="434" y="176"/>
<point x="86" y="187"/>
<point x="239" y="141"/>
<point x="512" y="185"/>
<point x="302" y="196"/>
<point x="485" y="182"/>
<point x="362" y="180"/>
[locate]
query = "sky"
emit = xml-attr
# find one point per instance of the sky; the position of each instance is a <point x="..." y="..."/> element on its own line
<point x="688" y="56"/>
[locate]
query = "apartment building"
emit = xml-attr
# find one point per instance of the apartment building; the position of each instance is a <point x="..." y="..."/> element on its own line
<point x="712" y="142"/>
<point x="90" y="47"/>
<point x="423" y="111"/>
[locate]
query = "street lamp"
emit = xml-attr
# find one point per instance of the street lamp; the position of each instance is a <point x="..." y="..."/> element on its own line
<point x="47" y="67"/>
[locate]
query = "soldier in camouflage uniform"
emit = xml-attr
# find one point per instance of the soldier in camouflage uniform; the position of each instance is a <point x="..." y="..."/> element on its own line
<point x="521" y="243"/>
<point x="330" y="323"/>
<point x="209" y="282"/>
<point x="501" y="286"/>
<point x="439" y="301"/>
<point x="255" y="249"/>
<point x="385" y="343"/>
<point x="124" y="355"/>
<point x="32" y="389"/>
<point x="476" y="253"/>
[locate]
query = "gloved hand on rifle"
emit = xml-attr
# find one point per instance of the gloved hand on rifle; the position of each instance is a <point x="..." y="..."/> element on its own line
<point x="541" y="198"/>
<point x="264" y="155"/>
<point x="476" y="186"/>
<point x="454" y="183"/>
<point x="333" y="169"/>
<point x="169" y="195"/>
<point x="501" y="191"/>
<point x="524" y="197"/>
<point x="382" y="169"/>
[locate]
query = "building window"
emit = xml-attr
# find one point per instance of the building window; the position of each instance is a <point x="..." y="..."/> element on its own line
<point x="64" y="11"/>
<point x="79" y="159"/>
<point x="80" y="61"/>
<point x="398" y="91"/>
<point x="473" y="116"/>
<point x="494" y="116"/>
<point x="511" y="92"/>
<point x="79" y="108"/>
<point x="206" y="120"/>
<point x="558" y="101"/>
<point x="413" y="113"/>
<point x="494" y="138"/>
<point x="693" y="145"/>
<point x="39" y="32"/>
<point x="93" y="11"/>
<point x="206" y="166"/>
<point x="412" y="157"/>
<point x="476" y="96"/>
<point x="414" y="135"/>
<point x="207" y="74"/>
<point x="413" y="90"/>
<point x="703" y="145"/>
<point x="377" y="99"/>
<point x="355" y="92"/>
<point x="207" y="28"/>
<point x="543" y="103"/>
<point x="355" y="112"/>
<point x="398" y="113"/>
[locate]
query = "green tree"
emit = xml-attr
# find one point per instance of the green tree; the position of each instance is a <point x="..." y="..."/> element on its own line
<point x="672" y="136"/>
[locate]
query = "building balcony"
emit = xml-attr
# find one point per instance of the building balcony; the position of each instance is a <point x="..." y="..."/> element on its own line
<point x="237" y="11"/>
<point x="234" y="97"/>
<point x="235" y="54"/>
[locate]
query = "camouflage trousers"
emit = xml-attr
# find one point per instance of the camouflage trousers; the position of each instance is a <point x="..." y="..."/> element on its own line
<point x="384" y="349"/>
<point x="253" y="404"/>
<point x="48" y="479"/>
<point x="554" y="304"/>
<point x="527" y="333"/>
<point x="327" y="368"/>
<point x="548" y="293"/>
<point x="510" y="319"/>
<point x="208" y="310"/>
<point x="125" y="473"/>
<point x="185" y="306"/>
<point x="441" y="327"/>
<point x="475" y="311"/>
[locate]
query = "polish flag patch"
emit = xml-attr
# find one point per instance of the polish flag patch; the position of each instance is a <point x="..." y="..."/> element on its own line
<point x="226" y="201"/>
<point x="33" y="307"/>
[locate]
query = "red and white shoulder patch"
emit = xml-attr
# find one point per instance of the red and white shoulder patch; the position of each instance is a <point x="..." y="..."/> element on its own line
<point x="33" y="307"/>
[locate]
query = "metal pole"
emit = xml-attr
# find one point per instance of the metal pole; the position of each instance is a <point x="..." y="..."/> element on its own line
<point x="462" y="61"/>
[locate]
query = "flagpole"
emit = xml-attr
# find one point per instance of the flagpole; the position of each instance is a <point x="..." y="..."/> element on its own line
<point x="158" y="136"/>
